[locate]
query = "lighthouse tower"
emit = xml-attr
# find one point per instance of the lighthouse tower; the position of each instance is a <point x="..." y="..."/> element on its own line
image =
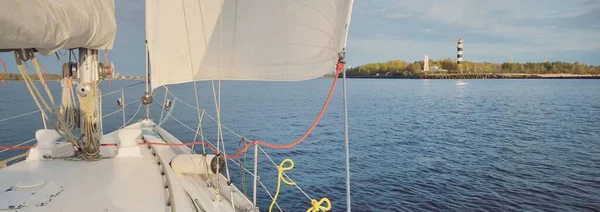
<point x="459" y="51"/>
<point x="426" y="64"/>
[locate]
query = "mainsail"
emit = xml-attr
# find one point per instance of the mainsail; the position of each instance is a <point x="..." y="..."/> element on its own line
<point x="267" y="40"/>
<point x="50" y="25"/>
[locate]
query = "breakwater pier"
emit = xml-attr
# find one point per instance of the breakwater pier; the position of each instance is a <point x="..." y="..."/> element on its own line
<point x="504" y="76"/>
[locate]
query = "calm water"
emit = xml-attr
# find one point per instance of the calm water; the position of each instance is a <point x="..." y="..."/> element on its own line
<point x="416" y="145"/>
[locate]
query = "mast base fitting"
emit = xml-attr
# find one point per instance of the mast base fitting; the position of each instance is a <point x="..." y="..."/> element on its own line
<point x="146" y="99"/>
<point x="83" y="90"/>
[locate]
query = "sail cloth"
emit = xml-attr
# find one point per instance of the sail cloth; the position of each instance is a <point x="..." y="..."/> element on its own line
<point x="50" y="25"/>
<point x="266" y="40"/>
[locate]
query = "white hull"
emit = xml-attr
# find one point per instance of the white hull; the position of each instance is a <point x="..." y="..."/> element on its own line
<point x="116" y="183"/>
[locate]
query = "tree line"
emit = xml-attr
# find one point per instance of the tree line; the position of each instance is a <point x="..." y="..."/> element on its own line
<point x="13" y="76"/>
<point x="399" y="68"/>
<point x="17" y="76"/>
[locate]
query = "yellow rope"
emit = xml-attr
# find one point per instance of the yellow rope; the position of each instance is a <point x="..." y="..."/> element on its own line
<point x="316" y="206"/>
<point x="280" y="170"/>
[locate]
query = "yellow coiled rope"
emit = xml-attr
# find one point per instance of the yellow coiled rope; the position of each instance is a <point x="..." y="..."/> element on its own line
<point x="316" y="206"/>
<point x="280" y="169"/>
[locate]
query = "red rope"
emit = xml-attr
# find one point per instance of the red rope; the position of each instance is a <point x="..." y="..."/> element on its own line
<point x="338" y="69"/>
<point x="5" y="71"/>
<point x="3" y="65"/>
<point x="145" y="143"/>
<point x="15" y="147"/>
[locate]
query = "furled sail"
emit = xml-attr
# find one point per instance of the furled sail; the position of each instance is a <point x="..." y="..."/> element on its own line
<point x="267" y="40"/>
<point x="49" y="25"/>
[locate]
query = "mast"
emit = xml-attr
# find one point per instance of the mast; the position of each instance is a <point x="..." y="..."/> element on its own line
<point x="346" y="137"/>
<point x="147" y="98"/>
<point x="89" y="98"/>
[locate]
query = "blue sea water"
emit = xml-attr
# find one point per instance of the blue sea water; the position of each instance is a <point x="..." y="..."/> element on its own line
<point x="416" y="145"/>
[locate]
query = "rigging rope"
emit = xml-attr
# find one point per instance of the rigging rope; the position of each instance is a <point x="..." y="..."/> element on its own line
<point x="243" y="178"/>
<point x="42" y="65"/>
<point x="5" y="71"/>
<point x="316" y="205"/>
<point x="339" y="67"/>
<point x="280" y="169"/>
<point x="192" y="73"/>
<point x="89" y="113"/>
<point x="58" y="57"/>
<point x="36" y="66"/>
<point x="132" y="117"/>
<point x="67" y="105"/>
<point x="37" y="96"/>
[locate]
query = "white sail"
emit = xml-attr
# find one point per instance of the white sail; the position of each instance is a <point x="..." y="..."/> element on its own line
<point x="268" y="40"/>
<point x="49" y="25"/>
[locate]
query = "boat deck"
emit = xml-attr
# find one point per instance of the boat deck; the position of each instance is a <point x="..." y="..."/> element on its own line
<point x="132" y="184"/>
<point x="145" y="183"/>
<point x="110" y="184"/>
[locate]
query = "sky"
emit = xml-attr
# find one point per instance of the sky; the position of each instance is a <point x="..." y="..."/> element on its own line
<point x="526" y="30"/>
<point x="382" y="30"/>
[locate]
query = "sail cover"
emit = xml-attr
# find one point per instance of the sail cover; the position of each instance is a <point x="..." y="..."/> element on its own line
<point x="267" y="40"/>
<point x="49" y="25"/>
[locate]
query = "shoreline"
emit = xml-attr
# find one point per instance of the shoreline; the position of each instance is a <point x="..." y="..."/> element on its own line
<point x="485" y="76"/>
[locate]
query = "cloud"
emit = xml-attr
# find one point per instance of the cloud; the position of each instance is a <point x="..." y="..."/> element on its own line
<point x="429" y="30"/>
<point x="491" y="29"/>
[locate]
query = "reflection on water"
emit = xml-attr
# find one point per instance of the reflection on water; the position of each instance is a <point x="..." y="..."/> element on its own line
<point x="426" y="83"/>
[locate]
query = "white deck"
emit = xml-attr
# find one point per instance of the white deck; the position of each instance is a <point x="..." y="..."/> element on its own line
<point x="115" y="184"/>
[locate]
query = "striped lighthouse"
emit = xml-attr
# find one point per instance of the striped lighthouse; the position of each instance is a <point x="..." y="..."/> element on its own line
<point x="459" y="51"/>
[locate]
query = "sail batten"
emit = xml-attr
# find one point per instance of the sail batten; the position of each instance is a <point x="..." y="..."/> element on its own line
<point x="49" y="25"/>
<point x="265" y="40"/>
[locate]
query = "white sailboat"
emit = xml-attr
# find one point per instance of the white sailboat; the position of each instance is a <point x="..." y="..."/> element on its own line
<point x="75" y="166"/>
